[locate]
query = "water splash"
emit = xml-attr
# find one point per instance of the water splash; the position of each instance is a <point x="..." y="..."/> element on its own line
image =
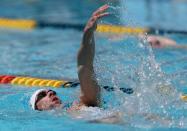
<point x="131" y="63"/>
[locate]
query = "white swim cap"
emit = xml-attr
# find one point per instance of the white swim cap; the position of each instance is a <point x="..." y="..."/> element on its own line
<point x="34" y="98"/>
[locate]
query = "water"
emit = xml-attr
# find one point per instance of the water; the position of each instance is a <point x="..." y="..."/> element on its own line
<point x="157" y="76"/>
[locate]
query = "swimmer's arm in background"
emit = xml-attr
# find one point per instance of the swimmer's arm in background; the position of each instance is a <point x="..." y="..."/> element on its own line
<point x="90" y="90"/>
<point x="179" y="47"/>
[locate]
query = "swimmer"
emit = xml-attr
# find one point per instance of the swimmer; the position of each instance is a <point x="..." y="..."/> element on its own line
<point x="164" y="42"/>
<point x="155" y="41"/>
<point x="44" y="99"/>
<point x="160" y="41"/>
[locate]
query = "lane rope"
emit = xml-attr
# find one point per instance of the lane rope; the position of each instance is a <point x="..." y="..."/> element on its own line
<point x="27" y="24"/>
<point x="183" y="97"/>
<point x="32" y="82"/>
<point x="42" y="83"/>
<point x="17" y="23"/>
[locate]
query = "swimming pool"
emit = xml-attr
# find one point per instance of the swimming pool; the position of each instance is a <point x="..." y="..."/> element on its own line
<point x="51" y="53"/>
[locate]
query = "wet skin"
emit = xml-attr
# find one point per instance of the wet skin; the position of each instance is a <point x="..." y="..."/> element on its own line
<point x="90" y="90"/>
<point x="48" y="100"/>
<point x="160" y="42"/>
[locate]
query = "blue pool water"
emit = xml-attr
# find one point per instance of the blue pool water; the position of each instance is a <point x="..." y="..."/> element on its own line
<point x="51" y="53"/>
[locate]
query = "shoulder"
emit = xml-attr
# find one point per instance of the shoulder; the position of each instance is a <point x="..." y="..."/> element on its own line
<point x="76" y="106"/>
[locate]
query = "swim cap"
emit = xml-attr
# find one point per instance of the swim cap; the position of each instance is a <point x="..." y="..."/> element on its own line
<point x="34" y="98"/>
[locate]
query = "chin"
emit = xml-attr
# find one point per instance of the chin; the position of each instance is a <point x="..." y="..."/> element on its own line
<point x="58" y="105"/>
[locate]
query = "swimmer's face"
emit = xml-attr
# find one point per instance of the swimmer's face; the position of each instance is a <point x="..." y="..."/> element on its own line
<point x="154" y="42"/>
<point x="47" y="100"/>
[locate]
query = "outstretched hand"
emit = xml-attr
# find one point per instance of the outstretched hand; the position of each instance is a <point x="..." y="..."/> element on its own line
<point x="92" y="22"/>
<point x="90" y="90"/>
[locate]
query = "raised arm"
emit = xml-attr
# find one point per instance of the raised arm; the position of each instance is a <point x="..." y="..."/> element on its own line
<point x="90" y="91"/>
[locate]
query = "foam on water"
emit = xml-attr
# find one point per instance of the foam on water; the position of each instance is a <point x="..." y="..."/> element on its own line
<point x="128" y="62"/>
<point x="154" y="92"/>
<point x="134" y="66"/>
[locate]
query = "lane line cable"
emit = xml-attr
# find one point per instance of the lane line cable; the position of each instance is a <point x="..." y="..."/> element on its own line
<point x="27" y="24"/>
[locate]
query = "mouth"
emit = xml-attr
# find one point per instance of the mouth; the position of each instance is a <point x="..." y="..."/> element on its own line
<point x="56" y="100"/>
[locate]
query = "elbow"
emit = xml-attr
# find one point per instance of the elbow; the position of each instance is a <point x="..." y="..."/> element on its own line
<point x="90" y="102"/>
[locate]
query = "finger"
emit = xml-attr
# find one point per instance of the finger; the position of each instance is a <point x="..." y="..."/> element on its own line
<point x="104" y="7"/>
<point x="101" y="9"/>
<point x="95" y="18"/>
<point x="103" y="15"/>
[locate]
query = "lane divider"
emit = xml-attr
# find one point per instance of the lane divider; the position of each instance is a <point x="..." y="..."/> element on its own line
<point x="27" y="24"/>
<point x="42" y="83"/>
<point x="39" y="82"/>
<point x="121" y="29"/>
<point x="6" y="79"/>
<point x="184" y="97"/>
<point x="32" y="82"/>
<point x="17" y="23"/>
<point x="31" y="24"/>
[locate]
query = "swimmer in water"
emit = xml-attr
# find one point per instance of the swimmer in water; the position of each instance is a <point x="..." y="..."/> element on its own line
<point x="163" y="42"/>
<point x="44" y="99"/>
<point x="155" y="41"/>
<point x="160" y="41"/>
